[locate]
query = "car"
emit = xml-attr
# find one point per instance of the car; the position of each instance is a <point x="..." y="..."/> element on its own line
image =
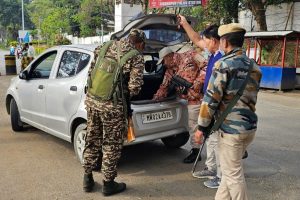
<point x="49" y="94"/>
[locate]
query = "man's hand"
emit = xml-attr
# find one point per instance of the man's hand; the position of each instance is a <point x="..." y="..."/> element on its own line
<point x="181" y="20"/>
<point x="198" y="137"/>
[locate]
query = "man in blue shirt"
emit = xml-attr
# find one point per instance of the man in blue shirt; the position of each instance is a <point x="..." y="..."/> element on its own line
<point x="212" y="42"/>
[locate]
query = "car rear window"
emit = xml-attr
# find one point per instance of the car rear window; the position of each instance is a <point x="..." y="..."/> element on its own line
<point x="162" y="35"/>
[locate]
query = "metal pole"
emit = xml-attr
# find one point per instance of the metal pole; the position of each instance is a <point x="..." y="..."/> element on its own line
<point x="283" y="51"/>
<point x="23" y="15"/>
<point x="102" y="33"/>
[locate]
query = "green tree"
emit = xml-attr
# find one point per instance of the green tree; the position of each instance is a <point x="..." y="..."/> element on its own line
<point x="92" y="14"/>
<point x="55" y="24"/>
<point x="11" y="17"/>
<point x="258" y="9"/>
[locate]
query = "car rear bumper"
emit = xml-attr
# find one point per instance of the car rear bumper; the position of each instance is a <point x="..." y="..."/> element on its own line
<point x="155" y="136"/>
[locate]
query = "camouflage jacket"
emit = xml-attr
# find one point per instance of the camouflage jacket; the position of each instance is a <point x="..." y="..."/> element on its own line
<point x="186" y="66"/>
<point x="227" y="77"/>
<point x="133" y="69"/>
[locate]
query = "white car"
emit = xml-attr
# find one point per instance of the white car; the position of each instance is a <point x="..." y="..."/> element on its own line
<point x="49" y="93"/>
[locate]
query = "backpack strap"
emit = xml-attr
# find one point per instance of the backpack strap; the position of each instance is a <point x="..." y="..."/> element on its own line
<point x="104" y="49"/>
<point x="128" y="56"/>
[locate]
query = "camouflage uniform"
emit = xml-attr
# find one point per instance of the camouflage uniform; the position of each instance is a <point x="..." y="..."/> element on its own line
<point x="106" y="120"/>
<point x="228" y="75"/>
<point x="238" y="129"/>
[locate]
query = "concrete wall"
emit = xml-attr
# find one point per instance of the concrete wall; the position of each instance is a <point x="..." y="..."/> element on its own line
<point x="88" y="40"/>
<point x="277" y="18"/>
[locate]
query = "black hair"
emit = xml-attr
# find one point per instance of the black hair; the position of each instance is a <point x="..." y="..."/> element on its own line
<point x="236" y="39"/>
<point x="212" y="32"/>
<point x="30" y="43"/>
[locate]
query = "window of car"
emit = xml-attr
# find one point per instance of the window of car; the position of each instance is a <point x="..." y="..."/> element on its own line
<point x="163" y="35"/>
<point x="72" y="63"/>
<point x="42" y="67"/>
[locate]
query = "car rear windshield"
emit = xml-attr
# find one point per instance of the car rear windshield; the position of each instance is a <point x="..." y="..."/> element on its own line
<point x="162" y="35"/>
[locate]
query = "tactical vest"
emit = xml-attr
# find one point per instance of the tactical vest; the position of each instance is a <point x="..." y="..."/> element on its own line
<point x="107" y="73"/>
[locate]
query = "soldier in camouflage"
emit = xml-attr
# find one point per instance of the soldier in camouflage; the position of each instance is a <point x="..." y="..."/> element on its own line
<point x="106" y="123"/>
<point x="238" y="129"/>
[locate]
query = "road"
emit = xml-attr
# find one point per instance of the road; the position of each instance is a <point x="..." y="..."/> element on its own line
<point x="35" y="165"/>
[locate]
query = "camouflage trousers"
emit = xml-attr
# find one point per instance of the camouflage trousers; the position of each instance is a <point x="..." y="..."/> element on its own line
<point x="105" y="132"/>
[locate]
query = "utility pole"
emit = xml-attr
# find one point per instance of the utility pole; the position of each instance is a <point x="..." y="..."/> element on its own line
<point x="23" y="15"/>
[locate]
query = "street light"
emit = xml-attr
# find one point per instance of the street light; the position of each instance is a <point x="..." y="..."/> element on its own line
<point x="23" y="15"/>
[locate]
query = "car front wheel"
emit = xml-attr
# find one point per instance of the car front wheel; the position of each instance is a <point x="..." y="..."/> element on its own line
<point x="79" y="141"/>
<point x="16" y="123"/>
<point x="176" y="141"/>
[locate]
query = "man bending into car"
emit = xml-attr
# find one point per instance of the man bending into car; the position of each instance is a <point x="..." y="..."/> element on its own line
<point x="190" y="66"/>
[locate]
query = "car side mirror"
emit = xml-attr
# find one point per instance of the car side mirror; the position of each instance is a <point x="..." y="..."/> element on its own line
<point x="24" y="75"/>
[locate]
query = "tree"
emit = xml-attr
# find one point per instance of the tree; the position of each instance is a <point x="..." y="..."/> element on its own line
<point x="92" y="14"/>
<point x="54" y="24"/>
<point x="10" y="17"/>
<point x="258" y="9"/>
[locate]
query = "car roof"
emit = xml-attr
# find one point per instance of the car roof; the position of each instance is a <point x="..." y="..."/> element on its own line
<point x="88" y="47"/>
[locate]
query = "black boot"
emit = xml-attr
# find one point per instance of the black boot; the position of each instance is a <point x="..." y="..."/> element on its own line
<point x="192" y="156"/>
<point x="112" y="187"/>
<point x="88" y="182"/>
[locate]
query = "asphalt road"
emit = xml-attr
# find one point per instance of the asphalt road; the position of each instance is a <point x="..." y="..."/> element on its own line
<point x="35" y="165"/>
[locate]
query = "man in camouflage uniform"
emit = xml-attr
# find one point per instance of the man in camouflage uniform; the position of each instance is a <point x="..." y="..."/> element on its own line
<point x="238" y="129"/>
<point x="106" y="119"/>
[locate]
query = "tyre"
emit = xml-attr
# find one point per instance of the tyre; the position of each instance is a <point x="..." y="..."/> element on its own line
<point x="176" y="141"/>
<point x="16" y="123"/>
<point x="79" y="141"/>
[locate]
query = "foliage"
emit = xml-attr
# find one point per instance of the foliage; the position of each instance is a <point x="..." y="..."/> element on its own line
<point x="13" y="43"/>
<point x="89" y="17"/>
<point x="92" y="14"/>
<point x="258" y="9"/>
<point x="10" y="17"/>
<point x="60" y="40"/>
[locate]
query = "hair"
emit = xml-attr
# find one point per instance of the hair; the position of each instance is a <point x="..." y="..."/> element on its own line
<point x="236" y="39"/>
<point x="30" y="43"/>
<point x="211" y="32"/>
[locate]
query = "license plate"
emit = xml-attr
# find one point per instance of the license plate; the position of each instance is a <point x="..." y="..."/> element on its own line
<point x="157" y="116"/>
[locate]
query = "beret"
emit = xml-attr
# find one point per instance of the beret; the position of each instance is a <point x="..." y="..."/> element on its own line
<point x="230" y="28"/>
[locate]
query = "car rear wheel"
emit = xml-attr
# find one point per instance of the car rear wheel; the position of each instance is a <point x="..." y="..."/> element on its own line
<point x="16" y="123"/>
<point x="176" y="141"/>
<point x="79" y="141"/>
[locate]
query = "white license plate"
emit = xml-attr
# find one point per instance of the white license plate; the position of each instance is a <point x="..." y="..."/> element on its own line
<point x="156" y="116"/>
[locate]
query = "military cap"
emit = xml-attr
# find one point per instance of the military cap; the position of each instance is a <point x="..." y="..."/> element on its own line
<point x="138" y="33"/>
<point x="230" y="28"/>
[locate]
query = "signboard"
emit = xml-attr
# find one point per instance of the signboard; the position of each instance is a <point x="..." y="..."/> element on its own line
<point x="24" y="36"/>
<point x="174" y="3"/>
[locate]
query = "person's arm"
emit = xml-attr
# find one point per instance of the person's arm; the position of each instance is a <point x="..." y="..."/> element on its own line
<point x="162" y="92"/>
<point x="193" y="35"/>
<point x="213" y="96"/>
<point x="136" y="74"/>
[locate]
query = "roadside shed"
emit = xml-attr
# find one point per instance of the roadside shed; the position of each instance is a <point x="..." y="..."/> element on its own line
<point x="278" y="54"/>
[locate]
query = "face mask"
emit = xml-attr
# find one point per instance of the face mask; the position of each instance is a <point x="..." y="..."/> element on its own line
<point x="206" y="53"/>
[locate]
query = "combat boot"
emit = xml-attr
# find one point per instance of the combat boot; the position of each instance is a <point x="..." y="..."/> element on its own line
<point x="88" y="182"/>
<point x="112" y="187"/>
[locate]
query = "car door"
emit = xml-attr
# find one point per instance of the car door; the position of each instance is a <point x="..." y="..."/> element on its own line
<point x="32" y="92"/>
<point x="65" y="90"/>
